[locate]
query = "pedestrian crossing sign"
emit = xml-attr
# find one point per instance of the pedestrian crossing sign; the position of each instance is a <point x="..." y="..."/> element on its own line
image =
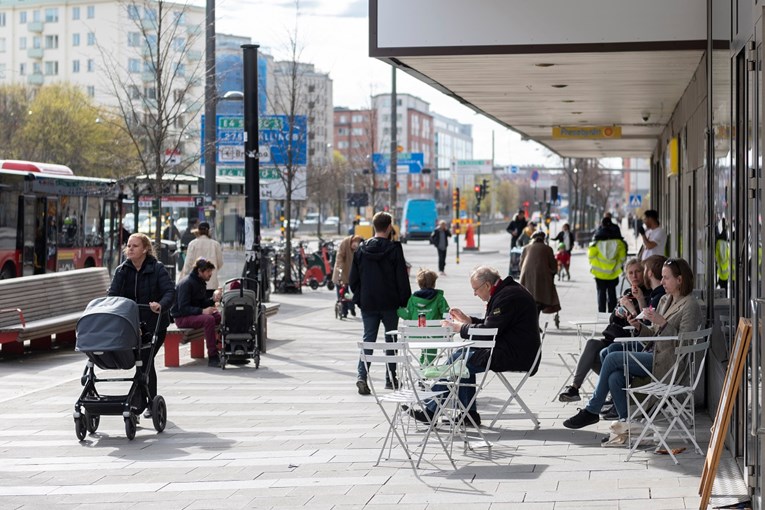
<point x="636" y="201"/>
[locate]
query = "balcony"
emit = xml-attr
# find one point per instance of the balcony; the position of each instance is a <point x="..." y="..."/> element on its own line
<point x="36" y="53"/>
<point x="148" y="76"/>
<point x="35" y="79"/>
<point x="35" y="26"/>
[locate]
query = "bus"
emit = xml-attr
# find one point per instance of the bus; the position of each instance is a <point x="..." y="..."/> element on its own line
<point x="52" y="220"/>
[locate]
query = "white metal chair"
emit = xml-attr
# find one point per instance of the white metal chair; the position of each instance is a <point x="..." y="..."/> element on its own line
<point x="584" y="331"/>
<point x="514" y="392"/>
<point x="668" y="402"/>
<point x="408" y="394"/>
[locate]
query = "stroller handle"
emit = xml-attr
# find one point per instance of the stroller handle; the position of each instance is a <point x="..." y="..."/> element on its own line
<point x="241" y="279"/>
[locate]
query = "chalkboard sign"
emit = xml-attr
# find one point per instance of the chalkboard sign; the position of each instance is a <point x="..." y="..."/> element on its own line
<point x="736" y="363"/>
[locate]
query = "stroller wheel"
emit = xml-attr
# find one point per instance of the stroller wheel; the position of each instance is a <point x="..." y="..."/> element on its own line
<point x="79" y="427"/>
<point x="91" y="422"/>
<point x="159" y="413"/>
<point x="130" y="427"/>
<point x="313" y="284"/>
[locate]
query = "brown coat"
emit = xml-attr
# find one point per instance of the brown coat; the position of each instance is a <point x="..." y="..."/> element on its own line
<point x="538" y="269"/>
<point x="343" y="261"/>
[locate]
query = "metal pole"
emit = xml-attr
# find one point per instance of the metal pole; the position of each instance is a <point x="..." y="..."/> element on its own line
<point x="211" y="123"/>
<point x="393" y="143"/>
<point x="251" y="168"/>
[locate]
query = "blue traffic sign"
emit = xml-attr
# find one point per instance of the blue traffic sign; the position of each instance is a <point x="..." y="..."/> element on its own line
<point x="414" y="160"/>
<point x="636" y="201"/>
<point x="535" y="175"/>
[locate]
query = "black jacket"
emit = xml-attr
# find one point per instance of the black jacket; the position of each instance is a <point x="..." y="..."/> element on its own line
<point x="516" y="226"/>
<point x="191" y="296"/>
<point x="513" y="312"/>
<point x="151" y="283"/>
<point x="378" y="276"/>
<point x="436" y="235"/>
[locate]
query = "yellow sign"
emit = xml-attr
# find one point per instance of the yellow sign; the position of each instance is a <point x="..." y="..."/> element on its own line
<point x="673" y="157"/>
<point x="463" y="203"/>
<point x="586" y="132"/>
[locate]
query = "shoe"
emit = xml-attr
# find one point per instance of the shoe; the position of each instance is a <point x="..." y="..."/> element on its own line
<point x="213" y="361"/>
<point x="476" y="419"/>
<point x="581" y="419"/>
<point x="606" y="408"/>
<point x="392" y="385"/>
<point x="571" y="394"/>
<point x="147" y="414"/>
<point x="611" y="414"/>
<point x="353" y="311"/>
<point x="425" y="416"/>
<point x="362" y="387"/>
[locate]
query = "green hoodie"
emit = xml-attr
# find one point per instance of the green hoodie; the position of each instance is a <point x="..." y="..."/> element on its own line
<point x="430" y="301"/>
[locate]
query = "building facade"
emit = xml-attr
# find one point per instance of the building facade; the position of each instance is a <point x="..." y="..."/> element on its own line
<point x="414" y="125"/>
<point x="452" y="141"/>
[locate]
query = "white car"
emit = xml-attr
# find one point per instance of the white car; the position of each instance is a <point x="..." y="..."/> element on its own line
<point x="311" y="219"/>
<point x="332" y="221"/>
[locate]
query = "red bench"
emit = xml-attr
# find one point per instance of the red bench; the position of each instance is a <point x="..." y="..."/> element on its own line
<point x="35" y="308"/>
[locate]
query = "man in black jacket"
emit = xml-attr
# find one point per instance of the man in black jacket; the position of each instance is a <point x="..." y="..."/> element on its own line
<point x="515" y="228"/>
<point x="512" y="310"/>
<point x="380" y="285"/>
<point x="193" y="309"/>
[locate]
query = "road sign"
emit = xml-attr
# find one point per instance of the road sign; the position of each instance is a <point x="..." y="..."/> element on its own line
<point x="636" y="201"/>
<point x="474" y="166"/>
<point x="406" y="162"/>
<point x="535" y="175"/>
<point x="513" y="169"/>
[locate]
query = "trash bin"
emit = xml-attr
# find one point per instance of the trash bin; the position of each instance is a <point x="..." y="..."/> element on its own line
<point x="167" y="256"/>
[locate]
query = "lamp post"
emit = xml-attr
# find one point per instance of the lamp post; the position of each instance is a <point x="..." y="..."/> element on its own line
<point x="252" y="262"/>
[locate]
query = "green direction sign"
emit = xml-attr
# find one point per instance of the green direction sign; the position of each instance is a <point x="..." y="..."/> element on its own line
<point x="267" y="173"/>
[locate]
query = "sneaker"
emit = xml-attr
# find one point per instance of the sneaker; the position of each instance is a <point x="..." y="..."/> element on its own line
<point x="213" y="361"/>
<point x="392" y="385"/>
<point x="571" y="394"/>
<point x="611" y="414"/>
<point x="353" y="311"/>
<point x="147" y="414"/>
<point x="476" y="419"/>
<point x="362" y="387"/>
<point x="425" y="416"/>
<point x="581" y="419"/>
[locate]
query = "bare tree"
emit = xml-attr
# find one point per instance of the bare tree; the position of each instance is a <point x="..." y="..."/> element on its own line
<point x="159" y="113"/>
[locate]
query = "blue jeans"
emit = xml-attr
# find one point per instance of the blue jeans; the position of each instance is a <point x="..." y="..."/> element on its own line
<point x="619" y="347"/>
<point x="465" y="393"/>
<point x="612" y="379"/>
<point x="371" y="321"/>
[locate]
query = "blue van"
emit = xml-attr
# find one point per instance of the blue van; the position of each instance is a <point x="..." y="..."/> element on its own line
<point x="420" y="219"/>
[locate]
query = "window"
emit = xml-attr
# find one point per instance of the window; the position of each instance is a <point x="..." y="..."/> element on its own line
<point x="75" y="13"/>
<point x="2" y="70"/>
<point x="180" y="17"/>
<point x="91" y="38"/>
<point x="75" y="39"/>
<point x="150" y="14"/>
<point x="91" y="11"/>
<point x="91" y="91"/>
<point x="36" y="42"/>
<point x="181" y="70"/>
<point x="134" y="92"/>
<point x="343" y="119"/>
<point x="342" y="144"/>
<point x="51" y="42"/>
<point x="22" y="17"/>
<point x="51" y="68"/>
<point x="134" y="39"/>
<point x="22" y="43"/>
<point x="22" y="69"/>
<point x="311" y="88"/>
<point x="178" y="43"/>
<point x="133" y="12"/>
<point x="357" y="131"/>
<point x="51" y="15"/>
<point x="91" y="65"/>
<point x="134" y="65"/>
<point x="36" y="68"/>
<point x="2" y="19"/>
<point x="150" y="92"/>
<point x="357" y="119"/>
<point x="148" y="67"/>
<point x="36" y="16"/>
<point x="75" y="66"/>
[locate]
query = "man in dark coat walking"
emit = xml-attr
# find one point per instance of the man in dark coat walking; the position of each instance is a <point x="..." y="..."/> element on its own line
<point x="515" y="228"/>
<point x="440" y="239"/>
<point x="380" y="285"/>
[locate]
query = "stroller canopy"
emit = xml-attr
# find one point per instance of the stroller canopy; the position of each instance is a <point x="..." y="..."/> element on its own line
<point x="108" y="324"/>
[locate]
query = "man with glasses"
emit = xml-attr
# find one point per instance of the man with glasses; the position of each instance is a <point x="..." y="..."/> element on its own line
<point x="512" y="310"/>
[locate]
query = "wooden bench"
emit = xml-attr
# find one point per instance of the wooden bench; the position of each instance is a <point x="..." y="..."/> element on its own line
<point x="37" y="307"/>
<point x="196" y="339"/>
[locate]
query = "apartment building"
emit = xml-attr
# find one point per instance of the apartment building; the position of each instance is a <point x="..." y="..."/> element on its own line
<point x="414" y="126"/>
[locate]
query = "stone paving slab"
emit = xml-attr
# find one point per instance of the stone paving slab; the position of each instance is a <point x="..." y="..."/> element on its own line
<point x="295" y="434"/>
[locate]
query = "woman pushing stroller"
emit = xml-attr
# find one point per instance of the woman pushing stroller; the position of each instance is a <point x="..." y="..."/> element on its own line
<point x="342" y="272"/>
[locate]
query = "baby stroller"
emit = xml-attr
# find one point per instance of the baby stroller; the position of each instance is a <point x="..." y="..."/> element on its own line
<point x="344" y="302"/>
<point x="240" y="324"/>
<point x="515" y="262"/>
<point x="109" y="333"/>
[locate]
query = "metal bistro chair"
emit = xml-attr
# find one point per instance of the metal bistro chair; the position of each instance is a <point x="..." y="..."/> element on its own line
<point x="409" y="394"/>
<point x="571" y="359"/>
<point x="515" y="391"/>
<point x="669" y="400"/>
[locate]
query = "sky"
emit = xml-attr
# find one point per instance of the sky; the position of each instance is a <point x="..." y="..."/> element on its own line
<point x="334" y="37"/>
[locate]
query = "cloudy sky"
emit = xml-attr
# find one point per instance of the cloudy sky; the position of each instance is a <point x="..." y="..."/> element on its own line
<point x="334" y="36"/>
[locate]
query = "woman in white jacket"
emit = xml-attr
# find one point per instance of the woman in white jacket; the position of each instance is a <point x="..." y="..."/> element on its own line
<point x="206" y="248"/>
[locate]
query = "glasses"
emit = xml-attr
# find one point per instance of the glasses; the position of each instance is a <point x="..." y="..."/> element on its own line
<point x="479" y="286"/>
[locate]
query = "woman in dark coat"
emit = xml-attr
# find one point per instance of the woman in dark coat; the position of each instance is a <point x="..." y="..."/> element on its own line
<point x="145" y="280"/>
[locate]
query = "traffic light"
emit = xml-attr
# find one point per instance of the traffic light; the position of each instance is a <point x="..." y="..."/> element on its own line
<point x="484" y="188"/>
<point x="456" y="200"/>
<point x="478" y="189"/>
<point x="553" y="193"/>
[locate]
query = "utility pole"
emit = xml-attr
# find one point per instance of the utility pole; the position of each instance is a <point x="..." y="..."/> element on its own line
<point x="393" y="143"/>
<point x="252" y="262"/>
<point x="211" y="121"/>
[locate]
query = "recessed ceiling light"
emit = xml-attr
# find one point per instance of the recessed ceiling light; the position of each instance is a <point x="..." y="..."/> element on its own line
<point x="576" y="113"/>
<point x="544" y="64"/>
<point x="567" y="101"/>
<point x="560" y="86"/>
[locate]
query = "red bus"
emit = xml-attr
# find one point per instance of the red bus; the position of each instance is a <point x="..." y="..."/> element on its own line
<point x="52" y="220"/>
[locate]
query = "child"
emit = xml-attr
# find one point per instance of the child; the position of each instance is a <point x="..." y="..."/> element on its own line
<point x="564" y="260"/>
<point x="427" y="300"/>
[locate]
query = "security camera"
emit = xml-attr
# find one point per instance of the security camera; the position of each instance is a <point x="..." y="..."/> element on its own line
<point x="645" y="116"/>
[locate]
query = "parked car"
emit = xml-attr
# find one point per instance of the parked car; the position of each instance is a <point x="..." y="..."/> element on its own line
<point x="332" y="221"/>
<point x="294" y="224"/>
<point x="311" y="219"/>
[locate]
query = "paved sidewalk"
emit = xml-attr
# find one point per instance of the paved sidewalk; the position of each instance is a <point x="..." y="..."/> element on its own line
<point x="296" y="434"/>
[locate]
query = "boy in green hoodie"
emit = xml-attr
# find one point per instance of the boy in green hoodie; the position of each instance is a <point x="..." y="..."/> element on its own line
<point x="427" y="300"/>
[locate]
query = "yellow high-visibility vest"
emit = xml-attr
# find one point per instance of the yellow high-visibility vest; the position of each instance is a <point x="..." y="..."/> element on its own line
<point x="606" y="258"/>
<point x="722" y="258"/>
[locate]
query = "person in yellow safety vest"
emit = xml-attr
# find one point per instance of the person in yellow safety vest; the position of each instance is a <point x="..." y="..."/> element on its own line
<point x="606" y="255"/>
<point x="722" y="259"/>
